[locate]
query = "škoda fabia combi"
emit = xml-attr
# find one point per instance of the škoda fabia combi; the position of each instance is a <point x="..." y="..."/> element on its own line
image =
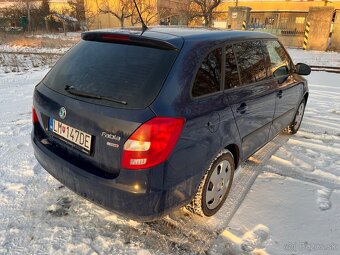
<point x="144" y="123"/>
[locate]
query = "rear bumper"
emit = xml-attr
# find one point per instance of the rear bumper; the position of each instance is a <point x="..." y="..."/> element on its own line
<point x="124" y="199"/>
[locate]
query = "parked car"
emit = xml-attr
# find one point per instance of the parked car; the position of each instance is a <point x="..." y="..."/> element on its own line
<point x="142" y="124"/>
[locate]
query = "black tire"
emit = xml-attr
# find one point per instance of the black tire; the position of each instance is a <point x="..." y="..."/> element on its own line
<point x="199" y="204"/>
<point x="294" y="127"/>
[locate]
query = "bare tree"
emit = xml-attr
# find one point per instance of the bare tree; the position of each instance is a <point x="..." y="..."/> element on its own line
<point x="90" y="17"/>
<point x="204" y="9"/>
<point x="13" y="14"/>
<point x="45" y="8"/>
<point x="177" y="12"/>
<point x="77" y="9"/>
<point x="190" y="11"/>
<point x="123" y="10"/>
<point x="84" y="14"/>
<point x="148" y="11"/>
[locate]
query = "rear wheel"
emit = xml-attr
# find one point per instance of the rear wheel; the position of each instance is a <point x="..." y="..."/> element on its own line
<point x="295" y="126"/>
<point x="215" y="186"/>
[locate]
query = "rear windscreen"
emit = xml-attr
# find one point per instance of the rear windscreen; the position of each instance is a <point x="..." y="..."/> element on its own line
<point x="130" y="73"/>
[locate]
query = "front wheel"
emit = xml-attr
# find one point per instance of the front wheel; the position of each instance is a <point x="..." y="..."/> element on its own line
<point x="294" y="127"/>
<point x="215" y="186"/>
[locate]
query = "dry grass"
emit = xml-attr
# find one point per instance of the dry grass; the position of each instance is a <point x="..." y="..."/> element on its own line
<point x="20" y="40"/>
<point x="21" y="61"/>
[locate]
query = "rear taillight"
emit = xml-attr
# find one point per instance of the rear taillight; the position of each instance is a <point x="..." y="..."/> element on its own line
<point x="152" y="143"/>
<point x="34" y="116"/>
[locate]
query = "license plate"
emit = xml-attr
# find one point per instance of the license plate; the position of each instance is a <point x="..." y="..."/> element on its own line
<point x="70" y="134"/>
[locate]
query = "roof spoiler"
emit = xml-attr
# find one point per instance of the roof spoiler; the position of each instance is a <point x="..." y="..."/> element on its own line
<point x="125" y="38"/>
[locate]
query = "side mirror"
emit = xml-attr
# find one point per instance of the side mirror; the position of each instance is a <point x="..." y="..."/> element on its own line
<point x="303" y="69"/>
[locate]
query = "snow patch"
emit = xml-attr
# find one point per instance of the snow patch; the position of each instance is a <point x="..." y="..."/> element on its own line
<point x="323" y="201"/>
<point x="252" y="242"/>
<point x="318" y="58"/>
<point x="288" y="210"/>
<point x="143" y="252"/>
<point x="254" y="238"/>
<point x="335" y="111"/>
<point x="61" y="208"/>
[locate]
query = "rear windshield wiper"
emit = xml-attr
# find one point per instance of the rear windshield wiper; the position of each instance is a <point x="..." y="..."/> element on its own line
<point x="73" y="91"/>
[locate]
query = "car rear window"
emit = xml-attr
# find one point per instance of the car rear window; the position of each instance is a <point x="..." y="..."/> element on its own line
<point x="130" y="73"/>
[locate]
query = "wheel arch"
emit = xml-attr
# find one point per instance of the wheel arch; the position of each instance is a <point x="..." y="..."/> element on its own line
<point x="305" y="96"/>
<point x="235" y="151"/>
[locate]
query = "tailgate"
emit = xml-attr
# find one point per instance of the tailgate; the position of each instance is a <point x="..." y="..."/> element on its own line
<point x="107" y="127"/>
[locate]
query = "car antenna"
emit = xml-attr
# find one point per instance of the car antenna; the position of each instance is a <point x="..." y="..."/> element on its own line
<point x="145" y="27"/>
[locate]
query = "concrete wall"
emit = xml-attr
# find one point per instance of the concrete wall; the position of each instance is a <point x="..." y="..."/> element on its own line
<point x="335" y="42"/>
<point x="98" y="20"/>
<point x="320" y="19"/>
<point x="236" y="16"/>
<point x="291" y="41"/>
<point x="288" y="5"/>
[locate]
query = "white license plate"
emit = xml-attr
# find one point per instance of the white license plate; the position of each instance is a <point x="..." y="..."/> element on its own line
<point x="71" y="134"/>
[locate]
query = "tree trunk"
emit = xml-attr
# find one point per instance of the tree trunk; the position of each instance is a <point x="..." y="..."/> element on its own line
<point x="208" y="20"/>
<point x="121" y="22"/>
<point x="64" y="26"/>
<point x="46" y="25"/>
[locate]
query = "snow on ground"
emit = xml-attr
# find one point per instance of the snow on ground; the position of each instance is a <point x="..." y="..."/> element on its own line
<point x="20" y="49"/>
<point x="293" y="206"/>
<point x="297" y="197"/>
<point x="59" y="36"/>
<point x="316" y="58"/>
<point x="23" y="62"/>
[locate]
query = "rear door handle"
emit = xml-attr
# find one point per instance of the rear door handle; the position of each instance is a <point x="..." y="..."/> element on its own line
<point x="243" y="108"/>
<point x="279" y="94"/>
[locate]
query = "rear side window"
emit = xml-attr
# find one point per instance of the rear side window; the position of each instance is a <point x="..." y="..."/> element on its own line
<point x="279" y="59"/>
<point x="134" y="74"/>
<point x="208" y="78"/>
<point x="251" y="60"/>
<point x="231" y="73"/>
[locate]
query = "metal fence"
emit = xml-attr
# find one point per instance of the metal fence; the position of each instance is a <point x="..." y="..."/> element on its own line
<point x="280" y="23"/>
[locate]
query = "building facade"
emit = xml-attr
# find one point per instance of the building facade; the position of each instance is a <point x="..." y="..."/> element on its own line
<point x="175" y="12"/>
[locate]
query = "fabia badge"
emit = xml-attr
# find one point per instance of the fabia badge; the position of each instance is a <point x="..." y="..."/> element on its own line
<point x="62" y="113"/>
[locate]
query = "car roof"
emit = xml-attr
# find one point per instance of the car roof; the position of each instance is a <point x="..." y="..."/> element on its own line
<point x="177" y="35"/>
<point x="204" y="33"/>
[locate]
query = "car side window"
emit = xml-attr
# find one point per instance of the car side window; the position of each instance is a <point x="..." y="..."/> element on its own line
<point x="208" y="78"/>
<point x="280" y="63"/>
<point x="231" y="73"/>
<point x="251" y="61"/>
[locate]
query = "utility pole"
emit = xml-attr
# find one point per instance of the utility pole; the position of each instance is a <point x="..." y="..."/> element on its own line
<point x="28" y="15"/>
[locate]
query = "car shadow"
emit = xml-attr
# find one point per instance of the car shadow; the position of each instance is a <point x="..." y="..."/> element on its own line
<point x="196" y="234"/>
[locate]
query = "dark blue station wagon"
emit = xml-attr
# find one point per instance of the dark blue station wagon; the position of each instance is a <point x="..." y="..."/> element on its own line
<point x="142" y="124"/>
